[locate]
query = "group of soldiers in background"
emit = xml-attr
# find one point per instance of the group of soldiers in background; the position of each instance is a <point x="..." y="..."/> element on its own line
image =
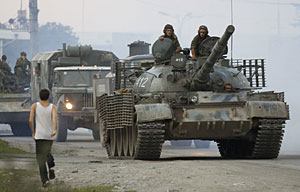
<point x="195" y="45"/>
<point x="17" y="81"/>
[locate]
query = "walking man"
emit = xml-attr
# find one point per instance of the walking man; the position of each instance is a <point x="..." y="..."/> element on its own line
<point x="46" y="126"/>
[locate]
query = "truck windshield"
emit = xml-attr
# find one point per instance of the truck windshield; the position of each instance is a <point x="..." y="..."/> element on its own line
<point x="76" y="78"/>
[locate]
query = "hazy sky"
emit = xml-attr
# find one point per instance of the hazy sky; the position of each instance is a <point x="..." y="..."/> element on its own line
<point x="250" y="16"/>
<point x="264" y="29"/>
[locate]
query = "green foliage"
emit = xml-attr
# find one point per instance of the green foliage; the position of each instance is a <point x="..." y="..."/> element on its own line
<point x="12" y="180"/>
<point x="5" y="148"/>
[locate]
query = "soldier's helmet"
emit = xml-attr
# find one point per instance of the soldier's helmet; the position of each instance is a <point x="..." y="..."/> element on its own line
<point x="168" y="26"/>
<point x="4" y="57"/>
<point x="204" y="28"/>
<point x="23" y="53"/>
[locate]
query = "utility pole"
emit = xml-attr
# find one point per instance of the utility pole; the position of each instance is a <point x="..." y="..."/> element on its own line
<point x="33" y="27"/>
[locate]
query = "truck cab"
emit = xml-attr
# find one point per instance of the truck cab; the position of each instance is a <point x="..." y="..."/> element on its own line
<point x="72" y="92"/>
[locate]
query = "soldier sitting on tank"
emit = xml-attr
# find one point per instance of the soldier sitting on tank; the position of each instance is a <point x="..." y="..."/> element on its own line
<point x="6" y="74"/>
<point x="22" y="68"/>
<point x="195" y="45"/>
<point x="169" y="33"/>
<point x="5" y="68"/>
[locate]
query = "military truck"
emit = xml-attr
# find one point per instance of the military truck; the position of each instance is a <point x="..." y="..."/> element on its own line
<point x="73" y="95"/>
<point x="15" y="108"/>
<point x="181" y="99"/>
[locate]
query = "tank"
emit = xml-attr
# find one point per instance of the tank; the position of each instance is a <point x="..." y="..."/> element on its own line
<point x="182" y="99"/>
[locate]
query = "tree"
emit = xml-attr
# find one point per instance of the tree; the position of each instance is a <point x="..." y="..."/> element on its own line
<point x="52" y="35"/>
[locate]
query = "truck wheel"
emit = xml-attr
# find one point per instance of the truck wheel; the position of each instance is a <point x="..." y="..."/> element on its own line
<point x="62" y="128"/>
<point x="201" y="144"/>
<point x="20" y="129"/>
<point x="96" y="133"/>
<point x="181" y="143"/>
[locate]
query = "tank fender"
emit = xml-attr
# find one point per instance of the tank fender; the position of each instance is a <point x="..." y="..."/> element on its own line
<point x="153" y="112"/>
<point x="268" y="109"/>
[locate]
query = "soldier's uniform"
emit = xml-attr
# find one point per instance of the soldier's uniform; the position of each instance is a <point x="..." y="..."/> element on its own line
<point x="173" y="36"/>
<point x="21" y="68"/>
<point x="198" y="40"/>
<point x="6" y="76"/>
<point x="5" y="68"/>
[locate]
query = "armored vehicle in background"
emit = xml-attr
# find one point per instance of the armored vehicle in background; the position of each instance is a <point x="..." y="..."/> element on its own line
<point x="181" y="99"/>
<point x="15" y="108"/>
<point x="73" y="95"/>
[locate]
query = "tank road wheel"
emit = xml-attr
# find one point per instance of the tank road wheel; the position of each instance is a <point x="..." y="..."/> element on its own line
<point x="119" y="137"/>
<point x="62" y="129"/>
<point x="132" y="133"/>
<point x="20" y="129"/>
<point x="149" y="140"/>
<point x="113" y="143"/>
<point x="266" y="145"/>
<point x="125" y="134"/>
<point x="142" y="141"/>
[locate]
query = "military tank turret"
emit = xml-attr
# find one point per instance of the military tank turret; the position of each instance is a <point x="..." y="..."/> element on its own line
<point x="180" y="99"/>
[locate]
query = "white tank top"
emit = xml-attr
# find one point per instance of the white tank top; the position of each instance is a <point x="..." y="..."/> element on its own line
<point x="44" y="124"/>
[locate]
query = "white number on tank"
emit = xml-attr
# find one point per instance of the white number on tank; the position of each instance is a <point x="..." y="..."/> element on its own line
<point x="142" y="82"/>
<point x="179" y="59"/>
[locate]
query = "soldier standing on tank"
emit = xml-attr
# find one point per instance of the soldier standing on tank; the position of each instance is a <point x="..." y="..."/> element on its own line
<point x="169" y="33"/>
<point x="195" y="45"/>
<point x="22" y="68"/>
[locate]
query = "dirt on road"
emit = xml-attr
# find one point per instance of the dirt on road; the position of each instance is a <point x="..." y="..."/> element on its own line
<point x="83" y="162"/>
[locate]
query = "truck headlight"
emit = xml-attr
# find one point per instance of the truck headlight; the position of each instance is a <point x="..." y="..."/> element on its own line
<point x="194" y="99"/>
<point x="69" y="105"/>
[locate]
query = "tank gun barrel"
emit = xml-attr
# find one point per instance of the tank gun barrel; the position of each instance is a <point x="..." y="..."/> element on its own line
<point x="201" y="77"/>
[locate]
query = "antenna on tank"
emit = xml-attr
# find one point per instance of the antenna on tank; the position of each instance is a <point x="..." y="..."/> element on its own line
<point x="231" y="41"/>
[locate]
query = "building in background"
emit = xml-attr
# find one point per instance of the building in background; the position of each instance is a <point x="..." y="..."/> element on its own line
<point x="13" y="32"/>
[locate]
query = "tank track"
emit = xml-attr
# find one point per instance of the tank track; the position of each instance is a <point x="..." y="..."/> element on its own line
<point x="269" y="137"/>
<point x="267" y="143"/>
<point x="106" y="144"/>
<point x="149" y="141"/>
<point x="148" y="145"/>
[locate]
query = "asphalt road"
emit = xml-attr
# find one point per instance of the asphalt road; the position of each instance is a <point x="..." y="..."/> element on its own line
<point x="81" y="161"/>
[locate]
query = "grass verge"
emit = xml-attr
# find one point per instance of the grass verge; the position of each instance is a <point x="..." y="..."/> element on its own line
<point x="5" y="148"/>
<point x="16" y="180"/>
